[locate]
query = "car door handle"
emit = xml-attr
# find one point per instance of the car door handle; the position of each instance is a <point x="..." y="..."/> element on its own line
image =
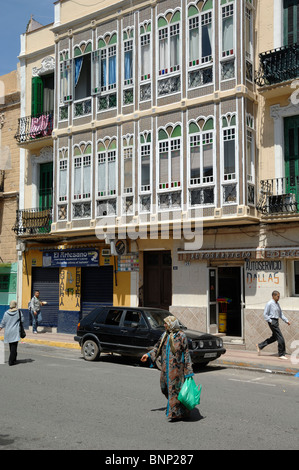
<point x="124" y="331"/>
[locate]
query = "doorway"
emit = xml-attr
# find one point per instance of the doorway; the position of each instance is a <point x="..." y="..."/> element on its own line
<point x="46" y="186"/>
<point x="226" y="300"/>
<point x="157" y="284"/>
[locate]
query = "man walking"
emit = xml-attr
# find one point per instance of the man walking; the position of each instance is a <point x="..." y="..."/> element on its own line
<point x="272" y="313"/>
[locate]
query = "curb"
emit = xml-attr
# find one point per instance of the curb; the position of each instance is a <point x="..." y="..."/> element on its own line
<point x="268" y="369"/>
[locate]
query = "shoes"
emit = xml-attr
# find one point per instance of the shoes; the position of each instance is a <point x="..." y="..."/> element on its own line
<point x="283" y="357"/>
<point x="258" y="350"/>
<point x="35" y="332"/>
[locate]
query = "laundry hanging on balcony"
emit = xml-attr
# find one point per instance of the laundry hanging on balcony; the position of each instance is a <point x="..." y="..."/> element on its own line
<point x="40" y="126"/>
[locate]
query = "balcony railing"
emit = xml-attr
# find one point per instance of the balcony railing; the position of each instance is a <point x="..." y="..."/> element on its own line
<point x="2" y="175"/>
<point x="33" y="222"/>
<point x="278" y="65"/>
<point x="31" y="128"/>
<point x="279" y="196"/>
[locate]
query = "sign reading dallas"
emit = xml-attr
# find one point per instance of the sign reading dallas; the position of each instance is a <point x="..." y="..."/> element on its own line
<point x="67" y="258"/>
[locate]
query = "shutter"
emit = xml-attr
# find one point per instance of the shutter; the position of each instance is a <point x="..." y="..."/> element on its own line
<point x="96" y="288"/>
<point x="37" y="97"/>
<point x="46" y="280"/>
<point x="290" y="20"/>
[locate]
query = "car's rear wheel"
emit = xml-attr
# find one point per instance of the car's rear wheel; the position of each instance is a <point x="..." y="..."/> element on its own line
<point x="90" y="350"/>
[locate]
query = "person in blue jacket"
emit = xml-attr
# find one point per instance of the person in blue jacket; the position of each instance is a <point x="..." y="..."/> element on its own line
<point x="11" y="323"/>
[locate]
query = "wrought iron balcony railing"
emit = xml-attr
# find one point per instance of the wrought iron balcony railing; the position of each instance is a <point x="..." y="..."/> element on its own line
<point x="31" y="128"/>
<point x="279" y="196"/>
<point x="33" y="222"/>
<point x="278" y="65"/>
<point x="2" y="175"/>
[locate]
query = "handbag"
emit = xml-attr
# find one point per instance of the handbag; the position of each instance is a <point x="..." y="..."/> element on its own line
<point x="189" y="395"/>
<point x="22" y="331"/>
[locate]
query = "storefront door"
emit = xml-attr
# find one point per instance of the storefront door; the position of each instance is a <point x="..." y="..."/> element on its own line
<point x="226" y="300"/>
<point x="157" y="279"/>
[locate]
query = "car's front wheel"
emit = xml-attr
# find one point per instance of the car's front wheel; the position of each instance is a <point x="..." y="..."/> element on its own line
<point x="90" y="350"/>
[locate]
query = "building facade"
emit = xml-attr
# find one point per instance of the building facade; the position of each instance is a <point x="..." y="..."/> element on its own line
<point x="156" y="139"/>
<point x="9" y="184"/>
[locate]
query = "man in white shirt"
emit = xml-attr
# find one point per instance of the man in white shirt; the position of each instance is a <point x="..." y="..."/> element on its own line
<point x="272" y="313"/>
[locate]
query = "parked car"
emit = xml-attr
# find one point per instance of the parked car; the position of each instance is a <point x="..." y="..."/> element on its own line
<point x="134" y="331"/>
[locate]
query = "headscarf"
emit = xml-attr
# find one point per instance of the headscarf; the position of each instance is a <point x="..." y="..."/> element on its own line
<point x="13" y="306"/>
<point x="173" y="327"/>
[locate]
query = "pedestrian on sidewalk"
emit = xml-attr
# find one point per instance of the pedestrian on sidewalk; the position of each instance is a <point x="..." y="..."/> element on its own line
<point x="35" y="305"/>
<point x="272" y="313"/>
<point x="11" y="323"/>
<point x="176" y="365"/>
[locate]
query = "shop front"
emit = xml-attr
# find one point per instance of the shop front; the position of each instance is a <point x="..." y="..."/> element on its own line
<point x="231" y="287"/>
<point x="73" y="281"/>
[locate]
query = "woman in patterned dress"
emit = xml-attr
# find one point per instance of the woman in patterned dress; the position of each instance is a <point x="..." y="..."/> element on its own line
<point x="176" y="365"/>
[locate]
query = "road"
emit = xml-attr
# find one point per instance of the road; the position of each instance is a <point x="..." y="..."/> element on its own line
<point x="53" y="399"/>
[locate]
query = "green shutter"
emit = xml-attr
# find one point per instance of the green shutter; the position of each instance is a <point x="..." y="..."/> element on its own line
<point x="46" y="186"/>
<point x="290" y="22"/>
<point x="37" y="98"/>
<point x="291" y="154"/>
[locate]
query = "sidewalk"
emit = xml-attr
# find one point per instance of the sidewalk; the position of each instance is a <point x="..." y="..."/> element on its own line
<point x="266" y="362"/>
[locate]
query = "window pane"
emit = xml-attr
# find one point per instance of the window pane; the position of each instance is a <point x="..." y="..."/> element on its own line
<point x="206" y="41"/>
<point x="195" y="163"/>
<point x="208" y="160"/>
<point x="101" y="174"/>
<point x="229" y="157"/>
<point x="163" y="164"/>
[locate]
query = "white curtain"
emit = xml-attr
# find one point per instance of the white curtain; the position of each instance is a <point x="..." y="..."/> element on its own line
<point x="63" y="183"/>
<point x="163" y="168"/>
<point x="145" y="59"/>
<point x="228" y="34"/>
<point x="174" y="50"/>
<point x="193" y="44"/>
<point x="86" y="179"/>
<point x="111" y="176"/>
<point x="163" y="50"/>
<point x="175" y="165"/>
<point x="77" y="181"/>
<point x="102" y="177"/>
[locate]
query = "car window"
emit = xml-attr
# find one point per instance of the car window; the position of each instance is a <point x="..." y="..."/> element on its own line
<point x="113" y="317"/>
<point x="134" y="317"/>
<point x="156" y="318"/>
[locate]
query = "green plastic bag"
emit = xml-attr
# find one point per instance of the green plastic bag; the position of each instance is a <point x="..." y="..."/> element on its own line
<point x="189" y="395"/>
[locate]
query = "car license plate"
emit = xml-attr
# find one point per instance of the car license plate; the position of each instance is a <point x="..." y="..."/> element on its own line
<point x="210" y="355"/>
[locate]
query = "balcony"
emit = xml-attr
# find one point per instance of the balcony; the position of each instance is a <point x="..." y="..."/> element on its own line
<point x="32" y="128"/>
<point x="33" y="222"/>
<point x="279" y="197"/>
<point x="278" y="65"/>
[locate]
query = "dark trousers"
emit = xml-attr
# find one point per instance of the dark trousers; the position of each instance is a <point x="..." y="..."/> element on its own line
<point x="13" y="353"/>
<point x="276" y="336"/>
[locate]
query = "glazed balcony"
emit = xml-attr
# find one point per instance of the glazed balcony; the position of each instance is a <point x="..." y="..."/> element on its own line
<point x="279" y="197"/>
<point x="33" y="222"/>
<point x="278" y="66"/>
<point x="33" y="128"/>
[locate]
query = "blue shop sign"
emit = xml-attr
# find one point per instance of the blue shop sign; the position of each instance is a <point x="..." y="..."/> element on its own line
<point x="68" y="258"/>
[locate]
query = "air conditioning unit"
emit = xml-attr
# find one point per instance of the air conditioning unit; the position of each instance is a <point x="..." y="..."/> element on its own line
<point x="282" y="203"/>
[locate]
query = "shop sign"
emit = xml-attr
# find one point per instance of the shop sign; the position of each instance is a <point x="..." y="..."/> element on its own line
<point x="216" y="255"/>
<point x="67" y="258"/>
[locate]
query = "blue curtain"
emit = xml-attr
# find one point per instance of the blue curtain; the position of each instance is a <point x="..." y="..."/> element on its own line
<point x="128" y="65"/>
<point x="103" y="73"/>
<point x="78" y="67"/>
<point x="112" y="70"/>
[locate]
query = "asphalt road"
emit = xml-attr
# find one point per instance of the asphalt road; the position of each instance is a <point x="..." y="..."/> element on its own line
<point x="53" y="399"/>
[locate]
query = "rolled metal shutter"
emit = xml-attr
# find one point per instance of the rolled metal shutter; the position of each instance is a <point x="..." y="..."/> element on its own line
<point x="46" y="280"/>
<point x="96" y="288"/>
